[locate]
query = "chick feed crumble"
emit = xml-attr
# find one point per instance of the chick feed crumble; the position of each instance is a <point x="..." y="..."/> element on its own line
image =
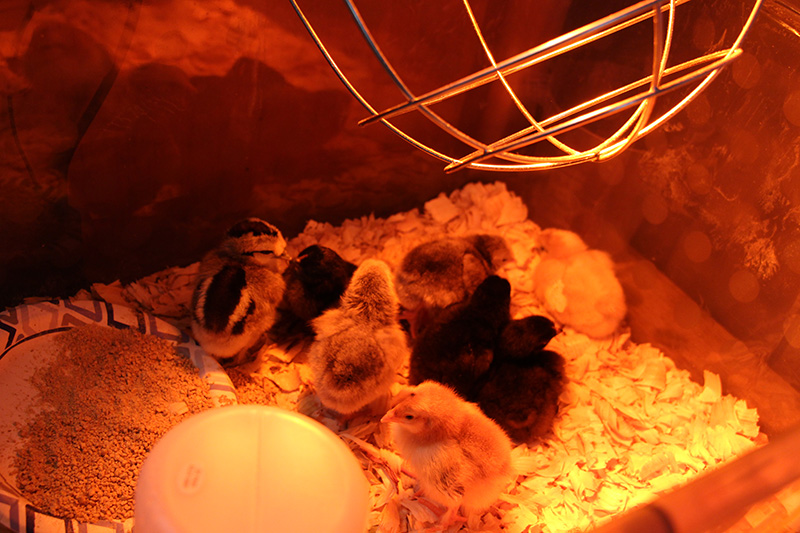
<point x="104" y="400"/>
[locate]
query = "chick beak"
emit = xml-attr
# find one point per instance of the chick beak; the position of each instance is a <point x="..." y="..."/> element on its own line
<point x="389" y="417"/>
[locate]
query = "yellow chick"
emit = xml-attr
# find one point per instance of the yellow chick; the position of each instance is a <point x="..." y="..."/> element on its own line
<point x="239" y="285"/>
<point x="359" y="346"/>
<point x="578" y="286"/>
<point x="462" y="458"/>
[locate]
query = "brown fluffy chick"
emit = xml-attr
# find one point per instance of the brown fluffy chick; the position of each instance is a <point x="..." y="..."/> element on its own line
<point x="445" y="271"/>
<point x="359" y="346"/>
<point x="578" y="286"/>
<point x="461" y="458"/>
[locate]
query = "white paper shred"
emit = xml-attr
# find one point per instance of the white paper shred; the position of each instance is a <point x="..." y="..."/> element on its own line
<point x="631" y="425"/>
<point x="441" y="209"/>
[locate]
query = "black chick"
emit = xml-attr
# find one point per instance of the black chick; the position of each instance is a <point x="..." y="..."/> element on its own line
<point x="314" y="282"/>
<point x="524" y="336"/>
<point x="458" y="347"/>
<point x="522" y="388"/>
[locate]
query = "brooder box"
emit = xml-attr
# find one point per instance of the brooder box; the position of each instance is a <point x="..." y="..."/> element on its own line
<point x="133" y="134"/>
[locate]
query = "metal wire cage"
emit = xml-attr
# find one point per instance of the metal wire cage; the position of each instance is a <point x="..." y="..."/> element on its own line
<point x="633" y="103"/>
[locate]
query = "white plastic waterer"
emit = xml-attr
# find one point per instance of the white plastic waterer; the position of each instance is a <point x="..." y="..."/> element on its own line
<point x="247" y="469"/>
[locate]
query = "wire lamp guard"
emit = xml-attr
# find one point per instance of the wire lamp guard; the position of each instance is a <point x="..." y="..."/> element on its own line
<point x="637" y="98"/>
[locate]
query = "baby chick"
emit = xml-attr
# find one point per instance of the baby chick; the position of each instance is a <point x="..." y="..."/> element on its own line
<point x="460" y="457"/>
<point x="523" y="386"/>
<point x="238" y="286"/>
<point x="578" y="286"/>
<point x="458" y="347"/>
<point x="314" y="282"/>
<point x="256" y="239"/>
<point x="523" y="336"/>
<point x="442" y="272"/>
<point x="359" y="346"/>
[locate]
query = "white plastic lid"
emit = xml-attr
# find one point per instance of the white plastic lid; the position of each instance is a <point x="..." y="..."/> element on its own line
<point x="251" y="469"/>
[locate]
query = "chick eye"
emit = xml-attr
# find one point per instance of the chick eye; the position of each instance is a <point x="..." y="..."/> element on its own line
<point x="409" y="417"/>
